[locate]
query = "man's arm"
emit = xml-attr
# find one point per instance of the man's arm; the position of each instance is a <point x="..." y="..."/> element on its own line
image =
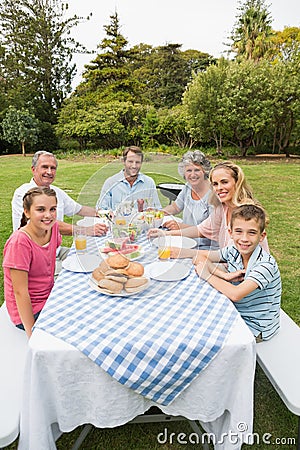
<point x="65" y="229"/>
<point x="87" y="211"/>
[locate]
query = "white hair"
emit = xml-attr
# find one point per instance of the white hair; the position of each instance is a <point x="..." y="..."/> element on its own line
<point x="194" y="157"/>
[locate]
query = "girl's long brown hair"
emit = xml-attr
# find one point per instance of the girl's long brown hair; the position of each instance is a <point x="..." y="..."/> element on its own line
<point x="29" y="196"/>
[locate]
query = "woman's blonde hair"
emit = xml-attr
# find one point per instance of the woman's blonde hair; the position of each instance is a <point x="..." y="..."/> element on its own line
<point x="243" y="191"/>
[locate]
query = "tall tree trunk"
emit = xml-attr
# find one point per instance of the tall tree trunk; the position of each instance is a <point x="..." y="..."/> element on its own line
<point x="23" y="148"/>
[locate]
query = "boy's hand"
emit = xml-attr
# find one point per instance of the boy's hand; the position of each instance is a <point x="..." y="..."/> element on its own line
<point x="235" y="276"/>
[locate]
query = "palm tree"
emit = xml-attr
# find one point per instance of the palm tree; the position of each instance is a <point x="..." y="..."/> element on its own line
<point x="252" y="32"/>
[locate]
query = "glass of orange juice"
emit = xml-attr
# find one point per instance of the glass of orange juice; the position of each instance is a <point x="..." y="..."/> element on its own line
<point x="80" y="239"/>
<point x="164" y="247"/>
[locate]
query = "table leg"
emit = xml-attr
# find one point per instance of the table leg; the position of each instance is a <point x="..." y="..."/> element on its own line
<point x="86" y="429"/>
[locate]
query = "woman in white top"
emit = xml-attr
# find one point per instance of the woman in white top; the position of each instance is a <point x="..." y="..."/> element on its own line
<point x="193" y="200"/>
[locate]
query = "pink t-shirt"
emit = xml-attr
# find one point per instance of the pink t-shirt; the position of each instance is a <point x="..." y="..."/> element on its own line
<point x="20" y="252"/>
<point x="215" y="227"/>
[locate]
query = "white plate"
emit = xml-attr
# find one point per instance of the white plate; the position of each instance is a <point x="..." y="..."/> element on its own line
<point x="81" y="263"/>
<point x="175" y="241"/>
<point x="105" y="255"/>
<point x="169" y="270"/>
<point x="90" y="221"/>
<point x="94" y="285"/>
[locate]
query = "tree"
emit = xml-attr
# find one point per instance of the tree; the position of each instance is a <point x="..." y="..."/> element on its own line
<point x="109" y="74"/>
<point x="285" y="105"/>
<point x="36" y="54"/>
<point x="248" y="102"/>
<point x="251" y="35"/>
<point x="164" y="73"/>
<point x="285" y="44"/>
<point x="150" y="130"/>
<point x="19" y="126"/>
<point x="108" y="125"/>
<point x="174" y="127"/>
<point x="197" y="61"/>
<point x="204" y="100"/>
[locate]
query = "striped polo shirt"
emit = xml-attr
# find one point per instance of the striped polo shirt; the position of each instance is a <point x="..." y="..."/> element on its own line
<point x="261" y="308"/>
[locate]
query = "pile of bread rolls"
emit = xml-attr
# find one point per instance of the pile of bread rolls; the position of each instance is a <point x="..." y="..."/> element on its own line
<point x="118" y="273"/>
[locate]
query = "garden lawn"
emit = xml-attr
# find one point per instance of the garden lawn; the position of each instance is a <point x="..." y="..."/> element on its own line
<point x="276" y="186"/>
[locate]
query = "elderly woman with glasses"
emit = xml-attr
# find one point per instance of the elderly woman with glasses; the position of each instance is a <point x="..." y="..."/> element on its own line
<point x="193" y="200"/>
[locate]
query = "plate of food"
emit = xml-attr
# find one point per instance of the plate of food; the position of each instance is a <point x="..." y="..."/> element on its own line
<point x="175" y="241"/>
<point x="117" y="276"/>
<point x="122" y="246"/>
<point x="172" y="270"/>
<point x="81" y="263"/>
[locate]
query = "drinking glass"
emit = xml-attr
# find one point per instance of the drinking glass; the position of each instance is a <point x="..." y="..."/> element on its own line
<point x="164" y="247"/>
<point x="80" y="239"/>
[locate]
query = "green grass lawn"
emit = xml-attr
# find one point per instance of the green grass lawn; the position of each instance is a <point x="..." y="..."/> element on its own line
<point x="276" y="186"/>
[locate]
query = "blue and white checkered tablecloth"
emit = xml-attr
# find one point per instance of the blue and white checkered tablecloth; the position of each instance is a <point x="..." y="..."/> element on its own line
<point x="155" y="342"/>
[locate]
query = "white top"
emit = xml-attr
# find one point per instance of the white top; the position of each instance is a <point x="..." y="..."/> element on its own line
<point x="195" y="211"/>
<point x="66" y="206"/>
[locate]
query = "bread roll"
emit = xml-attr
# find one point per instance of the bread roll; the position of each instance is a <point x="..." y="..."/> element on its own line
<point x="117" y="261"/>
<point x="117" y="277"/>
<point x="112" y="287"/>
<point x="135" y="284"/>
<point x="104" y="267"/>
<point x="98" y="274"/>
<point x="135" y="269"/>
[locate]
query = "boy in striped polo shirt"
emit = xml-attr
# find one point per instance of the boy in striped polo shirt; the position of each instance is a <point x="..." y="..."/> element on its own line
<point x="252" y="280"/>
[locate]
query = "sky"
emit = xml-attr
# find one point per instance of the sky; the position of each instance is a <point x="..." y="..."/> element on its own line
<point x="196" y="24"/>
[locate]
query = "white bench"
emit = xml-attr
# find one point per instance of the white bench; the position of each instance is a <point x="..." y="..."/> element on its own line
<point x="279" y="358"/>
<point x="13" y="348"/>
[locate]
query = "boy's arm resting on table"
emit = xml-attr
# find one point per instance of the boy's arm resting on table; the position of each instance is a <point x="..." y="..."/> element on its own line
<point x="204" y="255"/>
<point x="221" y="281"/>
<point x="20" y="286"/>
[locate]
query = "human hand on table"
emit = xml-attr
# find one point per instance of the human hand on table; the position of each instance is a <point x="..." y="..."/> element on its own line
<point x="171" y="225"/>
<point x="156" y="232"/>
<point x="206" y="268"/>
<point x="99" y="229"/>
<point x="238" y="275"/>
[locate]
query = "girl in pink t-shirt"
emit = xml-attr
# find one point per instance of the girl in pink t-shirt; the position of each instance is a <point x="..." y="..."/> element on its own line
<point x="29" y="258"/>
